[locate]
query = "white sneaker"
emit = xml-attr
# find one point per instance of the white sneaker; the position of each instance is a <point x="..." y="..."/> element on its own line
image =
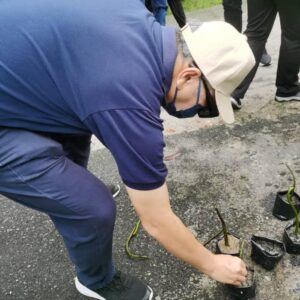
<point x="235" y="103"/>
<point x="114" y="189"/>
<point x="288" y="98"/>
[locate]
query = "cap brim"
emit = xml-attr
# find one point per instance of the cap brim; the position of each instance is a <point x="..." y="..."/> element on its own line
<point x="225" y="108"/>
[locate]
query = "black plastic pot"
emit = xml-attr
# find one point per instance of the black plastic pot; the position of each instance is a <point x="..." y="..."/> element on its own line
<point x="219" y="250"/>
<point x="247" y="291"/>
<point x="292" y="245"/>
<point x="282" y="210"/>
<point x="266" y="252"/>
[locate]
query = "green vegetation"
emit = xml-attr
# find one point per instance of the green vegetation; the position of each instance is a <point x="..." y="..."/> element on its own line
<point x="224" y="227"/>
<point x="290" y="195"/>
<point x="241" y="255"/>
<point x="131" y="236"/>
<point x="189" y="5"/>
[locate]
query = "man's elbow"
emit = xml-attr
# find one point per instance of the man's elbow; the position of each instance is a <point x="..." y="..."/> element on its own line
<point x="156" y="226"/>
<point x="152" y="227"/>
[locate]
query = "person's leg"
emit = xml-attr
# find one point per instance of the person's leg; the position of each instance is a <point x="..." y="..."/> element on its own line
<point x="233" y="13"/>
<point x="178" y="12"/>
<point x="233" y="16"/>
<point x="261" y="17"/>
<point x="148" y="4"/>
<point x="35" y="172"/>
<point x="159" y="8"/>
<point x="287" y="80"/>
<point x="77" y="148"/>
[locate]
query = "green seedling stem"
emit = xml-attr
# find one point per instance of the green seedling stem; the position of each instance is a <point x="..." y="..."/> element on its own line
<point x="133" y="233"/>
<point x="290" y="194"/>
<point x="241" y="255"/>
<point x="224" y="227"/>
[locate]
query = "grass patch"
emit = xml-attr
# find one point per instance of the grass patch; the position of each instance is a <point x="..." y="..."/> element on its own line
<point x="190" y="5"/>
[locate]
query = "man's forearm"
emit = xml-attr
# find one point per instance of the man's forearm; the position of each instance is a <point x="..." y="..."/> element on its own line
<point x="179" y="241"/>
<point x="159" y="221"/>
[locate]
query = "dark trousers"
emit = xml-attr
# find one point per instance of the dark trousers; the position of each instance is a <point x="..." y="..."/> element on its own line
<point x="176" y="8"/>
<point x="47" y="172"/>
<point x="177" y="11"/>
<point x="233" y="13"/>
<point x="261" y="17"/>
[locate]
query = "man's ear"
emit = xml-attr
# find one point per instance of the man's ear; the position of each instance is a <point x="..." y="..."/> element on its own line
<point x="185" y="75"/>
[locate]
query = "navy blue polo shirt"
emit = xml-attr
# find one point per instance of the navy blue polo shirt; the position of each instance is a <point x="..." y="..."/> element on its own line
<point x="89" y="66"/>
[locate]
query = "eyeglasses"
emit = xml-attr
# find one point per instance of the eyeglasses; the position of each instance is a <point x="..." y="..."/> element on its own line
<point x="211" y="110"/>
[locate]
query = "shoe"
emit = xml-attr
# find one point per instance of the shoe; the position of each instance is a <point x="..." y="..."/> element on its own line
<point x="288" y="98"/>
<point x="114" y="189"/>
<point x="236" y="103"/>
<point x="122" y="287"/>
<point x="265" y="59"/>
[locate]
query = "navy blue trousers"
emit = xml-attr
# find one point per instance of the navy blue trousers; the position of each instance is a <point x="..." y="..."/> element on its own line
<point x="159" y="9"/>
<point x="47" y="172"/>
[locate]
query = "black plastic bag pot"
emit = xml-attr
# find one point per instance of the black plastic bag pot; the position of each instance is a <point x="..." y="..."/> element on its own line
<point x="282" y="210"/>
<point x="291" y="242"/>
<point x="266" y="252"/>
<point x="245" y="291"/>
<point x="234" y="243"/>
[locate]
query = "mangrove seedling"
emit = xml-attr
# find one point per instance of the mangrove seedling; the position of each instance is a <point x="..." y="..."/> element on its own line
<point x="241" y="255"/>
<point x="224" y="227"/>
<point x="291" y="236"/>
<point x="133" y="233"/>
<point x="229" y="244"/>
<point x="282" y="209"/>
<point x="290" y="194"/>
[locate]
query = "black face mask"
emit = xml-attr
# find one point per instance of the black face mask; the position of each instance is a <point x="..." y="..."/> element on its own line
<point x="208" y="111"/>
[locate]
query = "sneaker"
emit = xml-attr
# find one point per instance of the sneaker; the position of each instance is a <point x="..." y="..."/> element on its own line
<point x="288" y="98"/>
<point x="236" y="103"/>
<point x="122" y="287"/>
<point x="265" y="59"/>
<point x="114" y="189"/>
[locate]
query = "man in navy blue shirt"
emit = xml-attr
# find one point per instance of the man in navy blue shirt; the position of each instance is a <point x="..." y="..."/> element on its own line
<point x="72" y="68"/>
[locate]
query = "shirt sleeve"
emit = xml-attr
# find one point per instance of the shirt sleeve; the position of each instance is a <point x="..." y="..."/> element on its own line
<point x="135" y="139"/>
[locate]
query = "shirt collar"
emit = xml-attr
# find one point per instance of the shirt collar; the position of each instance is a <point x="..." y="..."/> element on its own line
<point x="169" y="55"/>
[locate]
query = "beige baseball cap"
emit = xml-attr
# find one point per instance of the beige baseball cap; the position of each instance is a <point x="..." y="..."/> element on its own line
<point x="223" y="56"/>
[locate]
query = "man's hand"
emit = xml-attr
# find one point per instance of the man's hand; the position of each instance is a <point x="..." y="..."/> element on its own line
<point x="228" y="269"/>
<point x="158" y="219"/>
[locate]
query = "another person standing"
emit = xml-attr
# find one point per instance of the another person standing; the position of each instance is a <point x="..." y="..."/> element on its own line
<point x="159" y="9"/>
<point x="261" y="17"/>
<point x="233" y="15"/>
